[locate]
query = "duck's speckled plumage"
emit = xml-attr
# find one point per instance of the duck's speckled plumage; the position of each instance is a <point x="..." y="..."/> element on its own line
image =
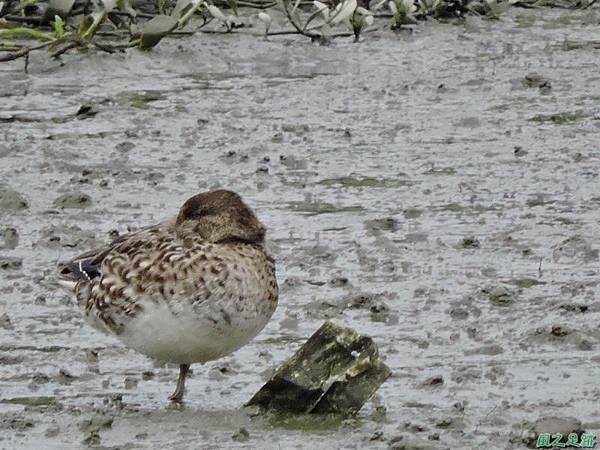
<point x="190" y="289"/>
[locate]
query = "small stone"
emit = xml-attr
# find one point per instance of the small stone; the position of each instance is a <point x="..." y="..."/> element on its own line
<point x="11" y="200"/>
<point x="491" y="349"/>
<point x="27" y="289"/>
<point x="96" y="422"/>
<point x="519" y="151"/>
<point x="52" y="431"/>
<point x="376" y="436"/>
<point x="17" y="423"/>
<point x="40" y="300"/>
<point x="85" y="111"/>
<point x="338" y="281"/>
<point x="458" y="313"/>
<point x="92" y="439"/>
<point x="5" y="322"/>
<point x="414" y="427"/>
<point x="10" y="263"/>
<point x="396" y="439"/>
<point x="241" y="435"/>
<point x="124" y="146"/>
<point x="435" y="381"/>
<point x="64" y="377"/>
<point x="558" y="331"/>
<point x="444" y="423"/>
<point x="91" y="356"/>
<point x="73" y="200"/>
<point x="572" y="307"/>
<point x="500" y="295"/>
<point x="470" y="242"/>
<point x="40" y="378"/>
<point x="130" y="383"/>
<point x="585" y="345"/>
<point x="459" y="406"/>
<point x="11" y="238"/>
<point x="379" y="413"/>
<point x="535" y="80"/>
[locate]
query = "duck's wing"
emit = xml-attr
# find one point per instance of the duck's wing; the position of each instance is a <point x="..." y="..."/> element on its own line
<point x="88" y="266"/>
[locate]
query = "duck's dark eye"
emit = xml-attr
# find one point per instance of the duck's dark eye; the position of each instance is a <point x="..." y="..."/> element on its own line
<point x="65" y="271"/>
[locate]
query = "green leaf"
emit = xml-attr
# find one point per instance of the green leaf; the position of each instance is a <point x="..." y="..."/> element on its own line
<point x="196" y="4"/>
<point x="8" y="44"/>
<point x="26" y="32"/>
<point x="155" y="29"/>
<point x="96" y="19"/>
<point x="59" y="27"/>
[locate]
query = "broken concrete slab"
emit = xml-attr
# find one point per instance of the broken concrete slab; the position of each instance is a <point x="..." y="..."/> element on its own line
<point x="336" y="371"/>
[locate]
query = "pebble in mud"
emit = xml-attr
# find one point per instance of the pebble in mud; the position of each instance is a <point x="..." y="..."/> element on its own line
<point x="10" y="263"/>
<point x="519" y="152"/>
<point x="413" y="427"/>
<point x="5" y="322"/>
<point x="73" y="200"/>
<point x="124" y="147"/>
<point x="575" y="248"/>
<point x="11" y="238"/>
<point x="241" y="435"/>
<point x="64" y="377"/>
<point x="96" y="422"/>
<point x="52" y="431"/>
<point x="434" y="381"/>
<point x="491" y="350"/>
<point x="535" y="80"/>
<point x="92" y="439"/>
<point x="91" y="356"/>
<point x="573" y="307"/>
<point x="402" y="442"/>
<point x="470" y="242"/>
<point x="383" y="224"/>
<point x="130" y="383"/>
<point x="558" y="331"/>
<point x="11" y="200"/>
<point x="17" y="423"/>
<point x="499" y="295"/>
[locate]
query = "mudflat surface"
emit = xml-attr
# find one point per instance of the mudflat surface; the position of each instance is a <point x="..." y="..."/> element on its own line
<point x="415" y="186"/>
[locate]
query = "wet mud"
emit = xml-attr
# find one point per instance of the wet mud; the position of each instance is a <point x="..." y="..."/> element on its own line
<point x="437" y="191"/>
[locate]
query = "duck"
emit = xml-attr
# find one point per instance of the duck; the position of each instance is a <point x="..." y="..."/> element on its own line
<point x="191" y="289"/>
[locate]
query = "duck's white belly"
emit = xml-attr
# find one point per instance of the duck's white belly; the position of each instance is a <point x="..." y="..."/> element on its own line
<point x="183" y="333"/>
<point x="181" y="305"/>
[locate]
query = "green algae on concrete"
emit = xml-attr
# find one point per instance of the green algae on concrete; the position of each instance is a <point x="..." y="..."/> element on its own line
<point x="336" y="371"/>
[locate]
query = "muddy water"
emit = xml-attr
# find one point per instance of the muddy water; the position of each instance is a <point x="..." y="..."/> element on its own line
<point x="414" y="186"/>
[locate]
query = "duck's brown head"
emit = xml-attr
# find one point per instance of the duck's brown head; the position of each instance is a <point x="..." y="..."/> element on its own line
<point x="220" y="216"/>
